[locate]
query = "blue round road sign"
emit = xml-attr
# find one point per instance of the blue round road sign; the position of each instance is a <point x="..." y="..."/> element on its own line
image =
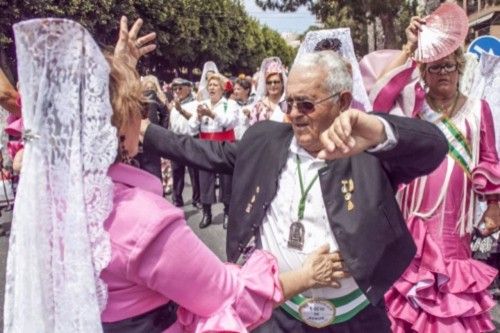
<point x="485" y="44"/>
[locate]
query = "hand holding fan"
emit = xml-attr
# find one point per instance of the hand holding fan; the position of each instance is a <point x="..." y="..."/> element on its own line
<point x="443" y="32"/>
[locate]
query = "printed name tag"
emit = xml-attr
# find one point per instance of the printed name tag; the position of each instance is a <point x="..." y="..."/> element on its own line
<point x="317" y="313"/>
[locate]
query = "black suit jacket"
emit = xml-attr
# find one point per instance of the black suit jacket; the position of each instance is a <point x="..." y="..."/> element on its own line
<point x="373" y="238"/>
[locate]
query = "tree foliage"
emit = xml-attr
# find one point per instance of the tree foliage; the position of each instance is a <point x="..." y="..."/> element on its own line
<point x="394" y="16"/>
<point x="189" y="32"/>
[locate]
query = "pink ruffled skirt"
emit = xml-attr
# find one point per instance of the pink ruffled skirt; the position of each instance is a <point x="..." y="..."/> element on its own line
<point x="439" y="295"/>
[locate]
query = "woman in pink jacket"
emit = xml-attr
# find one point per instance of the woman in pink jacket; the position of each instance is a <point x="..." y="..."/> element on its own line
<point x="94" y="245"/>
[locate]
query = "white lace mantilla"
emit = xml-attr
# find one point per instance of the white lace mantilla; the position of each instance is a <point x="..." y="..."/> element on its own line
<point x="58" y="246"/>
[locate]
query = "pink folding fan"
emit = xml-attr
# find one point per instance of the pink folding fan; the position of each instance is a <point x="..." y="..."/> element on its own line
<point x="443" y="33"/>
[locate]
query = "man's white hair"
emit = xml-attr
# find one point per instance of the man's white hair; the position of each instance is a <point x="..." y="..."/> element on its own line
<point x="337" y="70"/>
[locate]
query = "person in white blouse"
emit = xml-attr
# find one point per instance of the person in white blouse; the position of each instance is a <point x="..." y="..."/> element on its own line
<point x="215" y="119"/>
<point x="242" y="96"/>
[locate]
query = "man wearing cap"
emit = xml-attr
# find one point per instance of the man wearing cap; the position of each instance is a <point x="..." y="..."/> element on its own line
<point x="179" y="117"/>
<point x="329" y="176"/>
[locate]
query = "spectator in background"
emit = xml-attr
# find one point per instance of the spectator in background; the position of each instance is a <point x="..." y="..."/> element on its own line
<point x="179" y="117"/>
<point x="157" y="114"/>
<point x="209" y="68"/>
<point x="270" y="92"/>
<point x="215" y="118"/>
<point x="242" y="91"/>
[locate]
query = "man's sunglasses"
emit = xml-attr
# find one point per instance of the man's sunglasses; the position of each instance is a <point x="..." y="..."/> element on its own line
<point x="304" y="106"/>
<point x="437" y="69"/>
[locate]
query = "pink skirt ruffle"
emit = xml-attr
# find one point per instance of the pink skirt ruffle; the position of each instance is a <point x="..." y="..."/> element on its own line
<point x="437" y="294"/>
<point x="253" y="305"/>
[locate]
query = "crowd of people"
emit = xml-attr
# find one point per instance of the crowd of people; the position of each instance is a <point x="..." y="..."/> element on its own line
<point x="338" y="219"/>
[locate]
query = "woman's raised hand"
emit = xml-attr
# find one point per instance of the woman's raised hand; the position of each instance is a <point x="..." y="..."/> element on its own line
<point x="413" y="30"/>
<point x="131" y="48"/>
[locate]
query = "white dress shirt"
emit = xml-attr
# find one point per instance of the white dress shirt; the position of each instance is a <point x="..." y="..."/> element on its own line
<point x="243" y="121"/>
<point x="225" y="117"/>
<point x="179" y="124"/>
<point x="283" y="211"/>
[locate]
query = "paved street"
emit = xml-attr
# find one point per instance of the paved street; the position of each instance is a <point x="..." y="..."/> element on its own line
<point x="214" y="236"/>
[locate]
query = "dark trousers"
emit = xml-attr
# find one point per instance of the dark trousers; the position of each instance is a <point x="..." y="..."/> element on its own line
<point x="207" y="188"/>
<point x="373" y="319"/>
<point x="178" y="172"/>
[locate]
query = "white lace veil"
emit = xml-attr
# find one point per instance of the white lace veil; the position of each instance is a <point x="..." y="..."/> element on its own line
<point x="58" y="245"/>
<point x="276" y="68"/>
<point x="202" y="89"/>
<point x="343" y="45"/>
<point x="485" y="84"/>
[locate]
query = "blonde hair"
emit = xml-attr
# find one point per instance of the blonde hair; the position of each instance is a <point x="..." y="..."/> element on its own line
<point x="126" y="94"/>
<point x="459" y="58"/>
<point x="220" y="78"/>
<point x="154" y="80"/>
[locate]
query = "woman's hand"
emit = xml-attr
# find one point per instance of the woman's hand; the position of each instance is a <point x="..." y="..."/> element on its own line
<point x="129" y="47"/>
<point x="412" y="31"/>
<point x="324" y="269"/>
<point x="320" y="269"/>
<point x="203" y="110"/>
<point x="491" y="218"/>
<point x="17" y="163"/>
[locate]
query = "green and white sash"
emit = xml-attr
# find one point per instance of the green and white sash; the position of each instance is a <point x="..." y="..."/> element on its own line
<point x="458" y="146"/>
<point x="323" y="312"/>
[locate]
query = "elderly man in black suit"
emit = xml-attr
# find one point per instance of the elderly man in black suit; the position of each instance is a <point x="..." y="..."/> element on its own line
<point x="327" y="177"/>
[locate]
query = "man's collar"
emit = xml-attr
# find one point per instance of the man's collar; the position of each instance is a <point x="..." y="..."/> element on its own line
<point x="295" y="148"/>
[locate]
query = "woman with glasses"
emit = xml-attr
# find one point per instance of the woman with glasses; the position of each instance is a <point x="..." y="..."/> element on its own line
<point x="444" y="289"/>
<point x="270" y="92"/>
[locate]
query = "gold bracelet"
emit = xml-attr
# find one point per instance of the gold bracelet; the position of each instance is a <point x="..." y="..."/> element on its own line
<point x="408" y="49"/>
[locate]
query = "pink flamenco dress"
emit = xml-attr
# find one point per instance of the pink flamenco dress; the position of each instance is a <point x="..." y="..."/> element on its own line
<point x="444" y="289"/>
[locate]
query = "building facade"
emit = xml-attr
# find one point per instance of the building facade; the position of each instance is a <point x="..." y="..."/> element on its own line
<point x="484" y="17"/>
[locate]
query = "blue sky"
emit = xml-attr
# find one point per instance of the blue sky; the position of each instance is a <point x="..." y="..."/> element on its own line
<point x="297" y="22"/>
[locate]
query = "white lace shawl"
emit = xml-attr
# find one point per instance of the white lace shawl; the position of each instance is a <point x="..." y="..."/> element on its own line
<point x="485" y="84"/>
<point x="58" y="246"/>
<point x="346" y="50"/>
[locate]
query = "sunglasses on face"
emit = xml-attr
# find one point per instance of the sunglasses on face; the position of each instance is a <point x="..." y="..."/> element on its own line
<point x="437" y="69"/>
<point x="270" y="83"/>
<point x="304" y="106"/>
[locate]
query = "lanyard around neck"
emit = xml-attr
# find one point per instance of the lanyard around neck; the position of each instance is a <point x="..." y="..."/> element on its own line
<point x="304" y="192"/>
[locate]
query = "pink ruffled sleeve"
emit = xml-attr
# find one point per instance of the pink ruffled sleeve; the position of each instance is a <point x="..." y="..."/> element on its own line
<point x="486" y="175"/>
<point x="213" y="296"/>
<point x="386" y="92"/>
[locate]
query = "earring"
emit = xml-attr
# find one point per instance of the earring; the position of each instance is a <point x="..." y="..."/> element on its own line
<point x="124" y="156"/>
